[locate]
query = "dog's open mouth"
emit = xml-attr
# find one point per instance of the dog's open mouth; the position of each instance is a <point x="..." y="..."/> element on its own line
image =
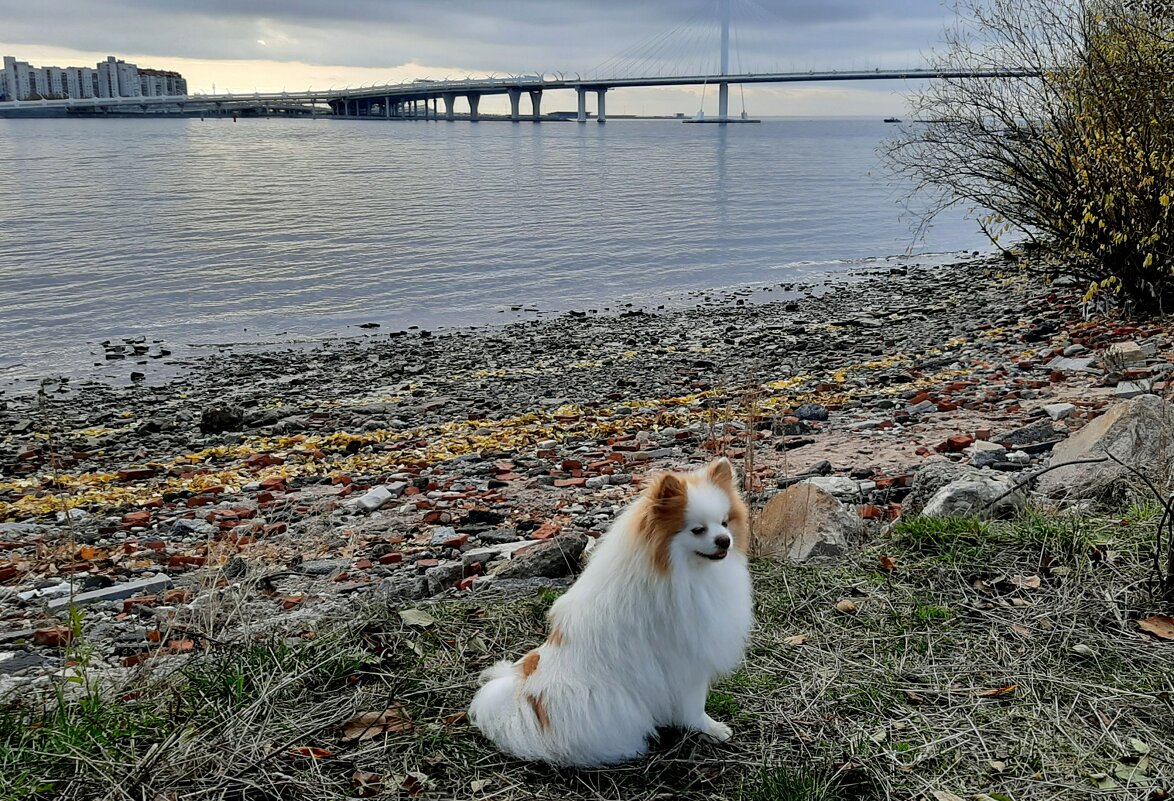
<point x="713" y="557"/>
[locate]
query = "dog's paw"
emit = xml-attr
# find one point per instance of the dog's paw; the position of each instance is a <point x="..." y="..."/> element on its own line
<point x="715" y="732"/>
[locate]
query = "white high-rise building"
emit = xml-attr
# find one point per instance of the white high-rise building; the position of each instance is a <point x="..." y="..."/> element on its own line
<point x="112" y="78"/>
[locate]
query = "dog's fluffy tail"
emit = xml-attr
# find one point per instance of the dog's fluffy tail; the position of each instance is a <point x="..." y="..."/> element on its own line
<point x="501" y="670"/>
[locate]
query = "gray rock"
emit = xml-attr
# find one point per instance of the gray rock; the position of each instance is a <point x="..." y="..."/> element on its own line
<point x="405" y="586"/>
<point x="443" y="576"/>
<point x="983" y="454"/>
<point x="977" y="496"/>
<point x="597" y="482"/>
<point x="324" y="567"/>
<point x="931" y="477"/>
<point x="1058" y="411"/>
<point x="555" y="558"/>
<point x="200" y="528"/>
<point x="1131" y="389"/>
<point x="15" y="530"/>
<point x="21" y="660"/>
<point x="1139" y="432"/>
<point x="811" y="411"/>
<point x="1039" y="431"/>
<point x="441" y="535"/>
<point x="805" y="523"/>
<point x="925" y="407"/>
<point x="221" y="418"/>
<point x="116" y="592"/>
<point x="1067" y="365"/>
<point x="1122" y="355"/>
<point x="373" y="498"/>
<point x="1074" y="350"/>
<point x="491" y="553"/>
<point x="840" y="486"/>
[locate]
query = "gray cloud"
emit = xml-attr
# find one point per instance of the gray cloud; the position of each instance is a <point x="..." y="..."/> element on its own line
<point x="504" y="36"/>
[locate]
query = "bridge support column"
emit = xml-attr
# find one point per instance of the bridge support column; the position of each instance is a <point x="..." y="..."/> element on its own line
<point x="515" y="101"/>
<point x="387" y="108"/>
<point x="450" y="100"/>
<point x="536" y="104"/>
<point x="474" y="101"/>
<point x="582" y="93"/>
<point x="601" y="113"/>
<point x="723" y="101"/>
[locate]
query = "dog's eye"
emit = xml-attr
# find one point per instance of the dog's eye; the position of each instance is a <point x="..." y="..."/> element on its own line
<point x="725" y="523"/>
<point x="699" y="530"/>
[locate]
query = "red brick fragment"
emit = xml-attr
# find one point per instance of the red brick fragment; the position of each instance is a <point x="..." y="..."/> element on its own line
<point x="142" y="600"/>
<point x="546" y="531"/>
<point x="53" y="637"/>
<point x="139" y="518"/>
<point x="391" y="558"/>
<point x="137" y="473"/>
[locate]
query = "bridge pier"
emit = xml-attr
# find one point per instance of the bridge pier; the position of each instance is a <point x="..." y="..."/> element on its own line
<point x="450" y="100"/>
<point x="582" y="93"/>
<point x="474" y="101"/>
<point x="723" y="101"/>
<point x="536" y="104"/>
<point x="387" y="108"/>
<point x="601" y="113"/>
<point x="515" y="101"/>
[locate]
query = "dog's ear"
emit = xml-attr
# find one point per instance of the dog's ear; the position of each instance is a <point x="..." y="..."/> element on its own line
<point x="720" y="472"/>
<point x="666" y="488"/>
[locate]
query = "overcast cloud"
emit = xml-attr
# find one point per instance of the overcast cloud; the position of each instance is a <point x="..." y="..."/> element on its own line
<point x="287" y="42"/>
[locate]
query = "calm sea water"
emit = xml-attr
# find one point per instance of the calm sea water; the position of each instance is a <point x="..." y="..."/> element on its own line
<point x="192" y="231"/>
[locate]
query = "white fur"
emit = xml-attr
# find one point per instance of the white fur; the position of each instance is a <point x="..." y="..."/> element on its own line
<point x="640" y="648"/>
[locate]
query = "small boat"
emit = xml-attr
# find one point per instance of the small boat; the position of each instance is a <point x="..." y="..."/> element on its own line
<point x="892" y="119"/>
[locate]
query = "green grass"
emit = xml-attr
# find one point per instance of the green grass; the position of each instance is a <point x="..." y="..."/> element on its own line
<point x="946" y="667"/>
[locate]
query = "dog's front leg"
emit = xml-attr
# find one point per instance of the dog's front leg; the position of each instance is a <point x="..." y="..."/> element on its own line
<point x="696" y="718"/>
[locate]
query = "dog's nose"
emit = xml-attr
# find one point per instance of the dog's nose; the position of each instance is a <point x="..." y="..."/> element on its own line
<point x="722" y="541"/>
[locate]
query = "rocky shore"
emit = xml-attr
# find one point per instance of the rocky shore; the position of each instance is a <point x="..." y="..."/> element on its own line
<point x="261" y="491"/>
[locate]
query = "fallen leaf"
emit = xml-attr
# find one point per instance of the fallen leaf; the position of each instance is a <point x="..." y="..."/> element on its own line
<point x="997" y="765"/>
<point x="1025" y="582"/>
<point x="478" y="645"/>
<point x="888" y="564"/>
<point x="310" y="752"/>
<point x="1083" y="650"/>
<point x="945" y="795"/>
<point x="1021" y="630"/>
<point x="414" y="783"/>
<point x="366" y="785"/>
<point x="459" y="717"/>
<point x="1103" y="781"/>
<point x="368" y="725"/>
<point x="999" y="692"/>
<point x="477" y="785"/>
<point x="1159" y="626"/>
<point x="417" y="617"/>
<point x="797" y="639"/>
<point x="1139" y="746"/>
<point x="1132" y="771"/>
<point x="847" y="607"/>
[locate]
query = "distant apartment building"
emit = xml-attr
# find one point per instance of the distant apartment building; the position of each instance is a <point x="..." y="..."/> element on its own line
<point x="110" y="78"/>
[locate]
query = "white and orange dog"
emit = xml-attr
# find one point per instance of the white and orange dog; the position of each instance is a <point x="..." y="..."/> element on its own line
<point x="661" y="610"/>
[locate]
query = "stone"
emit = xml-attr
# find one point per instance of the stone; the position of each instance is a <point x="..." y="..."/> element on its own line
<point x="324" y="567"/>
<point x="805" y="523"/>
<point x="443" y="576"/>
<point x="220" y="418"/>
<point x="491" y="553"/>
<point x="1039" y="431"/>
<point x="597" y="482"/>
<point x="374" y="498"/>
<point x="840" y="486"/>
<point x="1059" y="411"/>
<point x="446" y="537"/>
<point x="1122" y="355"/>
<point x="931" y="477"/>
<point x="115" y="592"/>
<point x="925" y="407"/>
<point x="1131" y="389"/>
<point x="983" y="454"/>
<point x="976" y="496"/>
<point x="21" y="660"/>
<point x="1069" y="365"/>
<point x="1074" y="350"/>
<point x="555" y="558"/>
<point x="811" y="411"/>
<point x="1139" y="432"/>
<point x="185" y="526"/>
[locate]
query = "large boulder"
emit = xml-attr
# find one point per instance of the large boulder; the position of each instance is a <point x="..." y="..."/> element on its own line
<point x="1139" y="432"/>
<point x="805" y="523"/>
<point x="976" y="496"/>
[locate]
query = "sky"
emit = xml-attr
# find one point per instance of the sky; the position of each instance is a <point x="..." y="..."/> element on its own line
<point x="271" y="45"/>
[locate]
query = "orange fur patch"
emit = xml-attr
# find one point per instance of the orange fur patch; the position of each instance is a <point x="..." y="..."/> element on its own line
<point x="556" y="638"/>
<point x="529" y="664"/>
<point x="539" y="710"/>
<point x="662" y="515"/>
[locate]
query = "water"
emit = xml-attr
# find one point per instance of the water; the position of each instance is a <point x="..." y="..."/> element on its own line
<point x="192" y="231"/>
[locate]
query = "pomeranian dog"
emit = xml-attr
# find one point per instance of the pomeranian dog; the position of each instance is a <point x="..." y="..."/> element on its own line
<point x="662" y="609"/>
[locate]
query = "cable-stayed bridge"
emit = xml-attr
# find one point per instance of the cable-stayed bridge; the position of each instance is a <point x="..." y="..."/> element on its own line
<point x="670" y="59"/>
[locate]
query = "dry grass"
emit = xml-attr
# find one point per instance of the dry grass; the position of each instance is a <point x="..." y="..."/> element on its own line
<point x="956" y="673"/>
